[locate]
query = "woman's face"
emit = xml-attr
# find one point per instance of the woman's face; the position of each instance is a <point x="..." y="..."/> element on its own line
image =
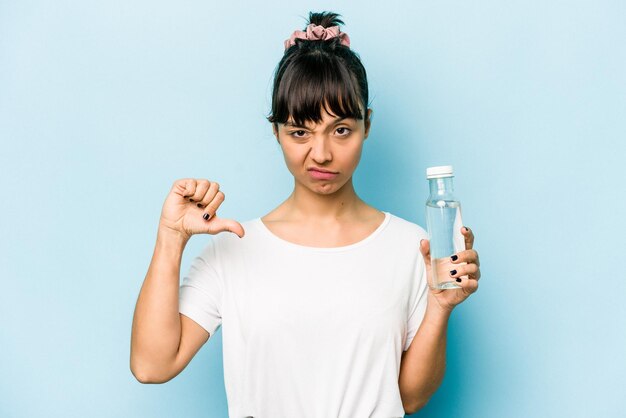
<point x="333" y="145"/>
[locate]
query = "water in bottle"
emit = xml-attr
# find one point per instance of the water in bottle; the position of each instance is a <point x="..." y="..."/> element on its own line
<point x="443" y="220"/>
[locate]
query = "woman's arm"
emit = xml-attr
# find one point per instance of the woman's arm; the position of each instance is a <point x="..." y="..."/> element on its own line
<point x="156" y="330"/>
<point x="423" y="365"/>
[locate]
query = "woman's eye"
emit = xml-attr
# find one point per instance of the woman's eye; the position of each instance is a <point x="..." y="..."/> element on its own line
<point x="297" y="134"/>
<point x="346" y="131"/>
<point x="301" y="133"/>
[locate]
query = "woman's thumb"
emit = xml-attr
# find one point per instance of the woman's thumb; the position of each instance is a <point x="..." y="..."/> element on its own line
<point x="229" y="225"/>
<point x="425" y="250"/>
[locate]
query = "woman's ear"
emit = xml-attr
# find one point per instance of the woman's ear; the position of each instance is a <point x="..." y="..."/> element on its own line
<point x="275" y="130"/>
<point x="368" y="122"/>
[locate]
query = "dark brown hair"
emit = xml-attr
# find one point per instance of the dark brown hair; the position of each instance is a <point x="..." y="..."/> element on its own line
<point x="319" y="73"/>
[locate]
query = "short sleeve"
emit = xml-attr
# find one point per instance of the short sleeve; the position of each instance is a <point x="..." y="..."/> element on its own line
<point x="200" y="294"/>
<point x="419" y="300"/>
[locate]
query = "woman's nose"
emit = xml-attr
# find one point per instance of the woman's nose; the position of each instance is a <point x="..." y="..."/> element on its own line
<point x="320" y="150"/>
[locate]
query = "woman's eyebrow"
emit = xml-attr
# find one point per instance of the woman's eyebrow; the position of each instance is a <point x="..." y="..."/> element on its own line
<point x="295" y="125"/>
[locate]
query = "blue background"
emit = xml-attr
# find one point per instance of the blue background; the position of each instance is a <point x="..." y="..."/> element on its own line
<point x="104" y="104"/>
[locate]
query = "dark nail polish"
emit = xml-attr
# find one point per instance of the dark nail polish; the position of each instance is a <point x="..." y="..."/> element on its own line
<point x="199" y="205"/>
<point x="458" y="279"/>
<point x="466" y="229"/>
<point x="452" y="272"/>
<point x="454" y="257"/>
<point x="190" y="199"/>
<point x="206" y="216"/>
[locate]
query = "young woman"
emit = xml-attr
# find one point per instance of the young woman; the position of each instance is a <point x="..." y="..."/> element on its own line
<point x="324" y="302"/>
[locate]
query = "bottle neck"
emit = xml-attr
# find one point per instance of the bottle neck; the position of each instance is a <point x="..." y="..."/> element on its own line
<point x="441" y="187"/>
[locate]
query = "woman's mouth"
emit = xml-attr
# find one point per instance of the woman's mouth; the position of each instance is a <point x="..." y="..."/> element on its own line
<point x="320" y="175"/>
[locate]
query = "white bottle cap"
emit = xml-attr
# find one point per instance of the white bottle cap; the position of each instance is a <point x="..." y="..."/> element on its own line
<point x="439" y="171"/>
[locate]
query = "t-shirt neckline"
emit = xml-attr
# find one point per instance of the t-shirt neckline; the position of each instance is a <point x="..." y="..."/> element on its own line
<point x="357" y="244"/>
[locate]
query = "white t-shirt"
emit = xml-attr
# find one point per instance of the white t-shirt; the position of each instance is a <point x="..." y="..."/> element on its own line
<point x="309" y="331"/>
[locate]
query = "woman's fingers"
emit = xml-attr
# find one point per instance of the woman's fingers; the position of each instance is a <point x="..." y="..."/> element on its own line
<point x="209" y="195"/>
<point x="191" y="208"/>
<point x="202" y="185"/>
<point x="466" y="256"/>
<point x="468" y="234"/>
<point x="210" y="213"/>
<point x="470" y="270"/>
<point x="211" y="208"/>
<point x="468" y="285"/>
<point x="185" y="187"/>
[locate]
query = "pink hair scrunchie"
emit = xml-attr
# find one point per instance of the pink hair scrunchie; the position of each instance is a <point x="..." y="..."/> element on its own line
<point x="316" y="32"/>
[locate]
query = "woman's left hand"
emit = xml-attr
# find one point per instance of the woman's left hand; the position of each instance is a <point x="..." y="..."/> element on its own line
<point x="469" y="274"/>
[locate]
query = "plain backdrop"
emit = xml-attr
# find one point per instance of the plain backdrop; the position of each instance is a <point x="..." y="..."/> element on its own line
<point x="103" y="105"/>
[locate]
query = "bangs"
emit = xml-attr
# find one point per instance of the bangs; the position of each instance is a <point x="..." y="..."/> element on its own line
<point x="313" y="83"/>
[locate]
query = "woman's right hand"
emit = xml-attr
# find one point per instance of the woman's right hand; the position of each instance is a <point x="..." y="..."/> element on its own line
<point x="188" y="201"/>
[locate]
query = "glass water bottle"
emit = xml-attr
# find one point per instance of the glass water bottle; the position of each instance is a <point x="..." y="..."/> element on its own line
<point x="443" y="219"/>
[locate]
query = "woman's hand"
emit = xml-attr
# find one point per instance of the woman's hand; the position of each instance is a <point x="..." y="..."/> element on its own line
<point x="469" y="274"/>
<point x="191" y="206"/>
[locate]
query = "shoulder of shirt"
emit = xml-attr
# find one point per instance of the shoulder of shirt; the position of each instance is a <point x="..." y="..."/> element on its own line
<point x="402" y="226"/>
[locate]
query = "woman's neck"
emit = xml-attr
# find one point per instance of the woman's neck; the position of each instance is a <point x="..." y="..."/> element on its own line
<point x="305" y="204"/>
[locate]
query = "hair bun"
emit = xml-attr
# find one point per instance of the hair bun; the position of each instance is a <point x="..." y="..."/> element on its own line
<point x="327" y="29"/>
<point x="325" y="19"/>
